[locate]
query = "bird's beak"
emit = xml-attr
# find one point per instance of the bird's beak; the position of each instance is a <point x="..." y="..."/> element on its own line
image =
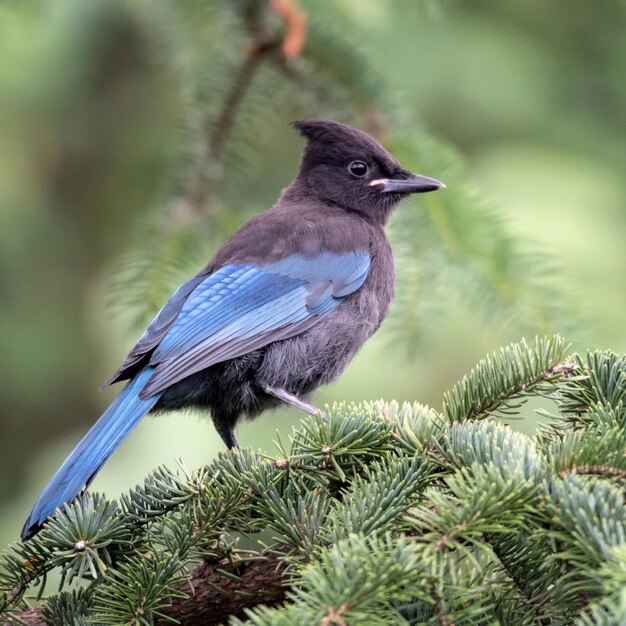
<point x="413" y="183"/>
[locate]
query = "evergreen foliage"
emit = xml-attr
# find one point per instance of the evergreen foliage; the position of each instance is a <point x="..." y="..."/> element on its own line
<point x="384" y="514"/>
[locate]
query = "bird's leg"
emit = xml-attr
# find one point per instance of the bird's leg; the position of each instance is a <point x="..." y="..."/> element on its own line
<point x="227" y="433"/>
<point x="289" y="398"/>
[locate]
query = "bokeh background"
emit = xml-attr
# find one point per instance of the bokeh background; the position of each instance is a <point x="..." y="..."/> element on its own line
<point x="119" y="176"/>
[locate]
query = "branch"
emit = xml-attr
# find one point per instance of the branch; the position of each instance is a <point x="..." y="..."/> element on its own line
<point x="218" y="133"/>
<point x="599" y="470"/>
<point x="525" y="590"/>
<point x="218" y="591"/>
<point x="262" y="45"/>
<point x="221" y="592"/>
<point x="440" y="609"/>
<point x="32" y="617"/>
<point x="501" y="379"/>
<point x="489" y="404"/>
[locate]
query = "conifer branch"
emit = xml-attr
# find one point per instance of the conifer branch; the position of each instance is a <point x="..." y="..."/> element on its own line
<point x="383" y="510"/>
<point x="334" y="617"/>
<point x="223" y="590"/>
<point x="494" y="402"/>
<point x="598" y="470"/>
<point x="213" y="592"/>
<point x="521" y="583"/>
<point x="262" y="44"/>
<point x="440" y="608"/>
<point x="32" y="617"/>
<point x="500" y="380"/>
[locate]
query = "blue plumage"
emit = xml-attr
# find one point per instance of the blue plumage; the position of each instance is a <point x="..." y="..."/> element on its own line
<point x="281" y="309"/>
<point x="241" y="308"/>
<point x="77" y="471"/>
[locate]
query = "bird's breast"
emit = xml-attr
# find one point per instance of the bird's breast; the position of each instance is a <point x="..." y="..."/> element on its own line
<point x="361" y="313"/>
<point x="379" y="287"/>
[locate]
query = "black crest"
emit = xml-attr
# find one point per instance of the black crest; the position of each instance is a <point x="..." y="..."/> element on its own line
<point x="332" y="141"/>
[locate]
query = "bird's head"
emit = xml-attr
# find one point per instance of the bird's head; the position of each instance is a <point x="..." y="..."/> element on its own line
<point x="350" y="169"/>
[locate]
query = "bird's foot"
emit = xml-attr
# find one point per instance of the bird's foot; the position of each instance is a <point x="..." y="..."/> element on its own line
<point x="289" y="398"/>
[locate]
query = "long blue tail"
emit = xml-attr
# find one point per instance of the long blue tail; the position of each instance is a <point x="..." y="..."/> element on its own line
<point x="77" y="471"/>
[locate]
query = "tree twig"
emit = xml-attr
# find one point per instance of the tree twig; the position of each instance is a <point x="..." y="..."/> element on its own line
<point x="440" y="608"/>
<point x="489" y="404"/>
<point x="525" y="590"/>
<point x="261" y="46"/>
<point x="600" y="470"/>
<point x="218" y="591"/>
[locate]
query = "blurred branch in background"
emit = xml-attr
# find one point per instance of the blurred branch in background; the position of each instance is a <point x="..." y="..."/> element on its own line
<point x="287" y="43"/>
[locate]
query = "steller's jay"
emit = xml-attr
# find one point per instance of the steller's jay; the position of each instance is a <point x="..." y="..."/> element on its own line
<point x="281" y="309"/>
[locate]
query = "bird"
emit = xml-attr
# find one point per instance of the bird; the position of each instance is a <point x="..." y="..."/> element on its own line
<point x="281" y="309"/>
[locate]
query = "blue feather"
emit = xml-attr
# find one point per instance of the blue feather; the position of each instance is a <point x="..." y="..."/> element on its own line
<point x="122" y="415"/>
<point x="246" y="307"/>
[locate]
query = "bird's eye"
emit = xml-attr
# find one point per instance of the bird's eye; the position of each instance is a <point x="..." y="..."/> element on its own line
<point x="357" y="168"/>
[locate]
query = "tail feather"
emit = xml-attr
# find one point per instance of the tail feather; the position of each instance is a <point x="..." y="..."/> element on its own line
<point x="77" y="471"/>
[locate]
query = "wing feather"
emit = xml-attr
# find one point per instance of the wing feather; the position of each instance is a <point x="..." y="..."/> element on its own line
<point x="243" y="307"/>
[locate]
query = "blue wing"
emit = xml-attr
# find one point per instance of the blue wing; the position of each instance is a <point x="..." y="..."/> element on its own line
<point x="243" y="307"/>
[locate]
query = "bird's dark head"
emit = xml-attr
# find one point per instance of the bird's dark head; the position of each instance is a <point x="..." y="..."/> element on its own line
<point x="350" y="169"/>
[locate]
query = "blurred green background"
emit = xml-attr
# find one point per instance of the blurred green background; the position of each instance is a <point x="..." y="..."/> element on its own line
<point x="101" y="107"/>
